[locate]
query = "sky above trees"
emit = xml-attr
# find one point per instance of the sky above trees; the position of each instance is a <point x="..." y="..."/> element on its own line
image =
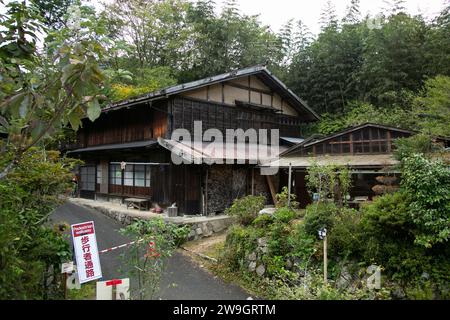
<point x="276" y="12"/>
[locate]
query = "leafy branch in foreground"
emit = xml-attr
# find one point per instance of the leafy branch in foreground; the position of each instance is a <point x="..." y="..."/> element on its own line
<point x="45" y="89"/>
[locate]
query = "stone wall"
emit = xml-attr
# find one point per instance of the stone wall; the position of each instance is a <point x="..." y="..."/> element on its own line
<point x="201" y="227"/>
<point x="206" y="228"/>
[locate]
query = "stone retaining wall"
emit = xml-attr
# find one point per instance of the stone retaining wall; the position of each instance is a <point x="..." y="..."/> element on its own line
<point x="201" y="226"/>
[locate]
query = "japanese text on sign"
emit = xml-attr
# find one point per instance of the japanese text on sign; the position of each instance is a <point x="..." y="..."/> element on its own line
<point x="86" y="251"/>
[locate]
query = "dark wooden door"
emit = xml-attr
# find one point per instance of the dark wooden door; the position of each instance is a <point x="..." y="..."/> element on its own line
<point x="301" y="190"/>
<point x="178" y="186"/>
<point x="193" y="189"/>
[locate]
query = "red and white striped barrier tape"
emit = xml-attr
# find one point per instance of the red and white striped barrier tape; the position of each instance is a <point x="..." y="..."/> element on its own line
<point x="121" y="246"/>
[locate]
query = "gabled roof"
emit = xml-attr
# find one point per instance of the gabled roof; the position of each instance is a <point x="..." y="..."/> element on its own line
<point x="312" y="138"/>
<point x="317" y="138"/>
<point x="355" y="128"/>
<point x="291" y="141"/>
<point x="260" y="71"/>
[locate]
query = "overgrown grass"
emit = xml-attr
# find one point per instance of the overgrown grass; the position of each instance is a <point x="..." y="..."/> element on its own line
<point x="87" y="292"/>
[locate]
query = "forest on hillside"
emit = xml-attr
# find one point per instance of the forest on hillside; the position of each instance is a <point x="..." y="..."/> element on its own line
<point x="390" y="68"/>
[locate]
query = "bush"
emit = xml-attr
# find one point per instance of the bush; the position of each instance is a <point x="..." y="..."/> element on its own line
<point x="387" y="238"/>
<point x="302" y="245"/>
<point x="344" y="239"/>
<point x="312" y="287"/>
<point x="240" y="241"/>
<point x="387" y="217"/>
<point x="282" y="199"/>
<point x="246" y="209"/>
<point x="278" y="238"/>
<point x="427" y="184"/>
<point x="320" y="215"/>
<point x="263" y="221"/>
<point x="30" y="251"/>
<point x="284" y="215"/>
<point x="146" y="259"/>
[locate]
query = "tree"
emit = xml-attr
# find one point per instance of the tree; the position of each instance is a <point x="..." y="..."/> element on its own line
<point x="330" y="182"/>
<point x="53" y="11"/>
<point x="433" y="106"/>
<point x="158" y="32"/>
<point x="31" y="252"/>
<point x="427" y="183"/>
<point x="328" y="17"/>
<point x="228" y="41"/>
<point x="43" y="91"/>
<point x="326" y="73"/>
<point x="353" y="14"/>
<point x="437" y="45"/>
<point x="393" y="60"/>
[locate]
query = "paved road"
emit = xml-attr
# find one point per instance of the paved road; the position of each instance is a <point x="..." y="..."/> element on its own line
<point x="182" y="279"/>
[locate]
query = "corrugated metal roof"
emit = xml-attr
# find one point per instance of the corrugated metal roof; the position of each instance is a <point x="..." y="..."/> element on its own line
<point x="362" y="161"/>
<point x="292" y="140"/>
<point x="128" y="145"/>
<point x="197" y="152"/>
<point x="259" y="70"/>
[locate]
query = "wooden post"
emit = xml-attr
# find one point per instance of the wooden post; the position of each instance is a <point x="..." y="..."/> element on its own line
<point x="65" y="285"/>
<point x="289" y="185"/>
<point x="325" y="261"/>
<point x="114" y="290"/>
<point x="206" y="191"/>
<point x="272" y="189"/>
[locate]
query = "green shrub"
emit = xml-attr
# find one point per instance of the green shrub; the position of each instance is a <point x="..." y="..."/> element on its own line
<point x="302" y="244"/>
<point x="387" y="238"/>
<point x="427" y="184"/>
<point x="240" y="241"/>
<point x="344" y="239"/>
<point x="284" y="215"/>
<point x="312" y="287"/>
<point x="278" y="238"/>
<point x="275" y="266"/>
<point x="320" y="215"/>
<point x="246" y="209"/>
<point x="388" y="217"/>
<point x="282" y="199"/>
<point x="263" y="221"/>
<point x="31" y="251"/>
<point x="144" y="262"/>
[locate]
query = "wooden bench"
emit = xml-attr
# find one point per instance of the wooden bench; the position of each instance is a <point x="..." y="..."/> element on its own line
<point x="136" y="203"/>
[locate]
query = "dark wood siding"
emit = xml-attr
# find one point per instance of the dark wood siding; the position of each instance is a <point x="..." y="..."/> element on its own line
<point x="185" y="187"/>
<point x="125" y="125"/>
<point x="368" y="140"/>
<point x="220" y="116"/>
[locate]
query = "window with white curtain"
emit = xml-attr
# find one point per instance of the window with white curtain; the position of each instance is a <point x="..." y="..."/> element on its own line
<point x="115" y="174"/>
<point x="99" y="174"/>
<point x="137" y="175"/>
<point x="87" y="174"/>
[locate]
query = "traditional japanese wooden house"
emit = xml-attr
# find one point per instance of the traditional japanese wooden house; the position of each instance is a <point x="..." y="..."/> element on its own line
<point x="127" y="150"/>
<point x="366" y="149"/>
